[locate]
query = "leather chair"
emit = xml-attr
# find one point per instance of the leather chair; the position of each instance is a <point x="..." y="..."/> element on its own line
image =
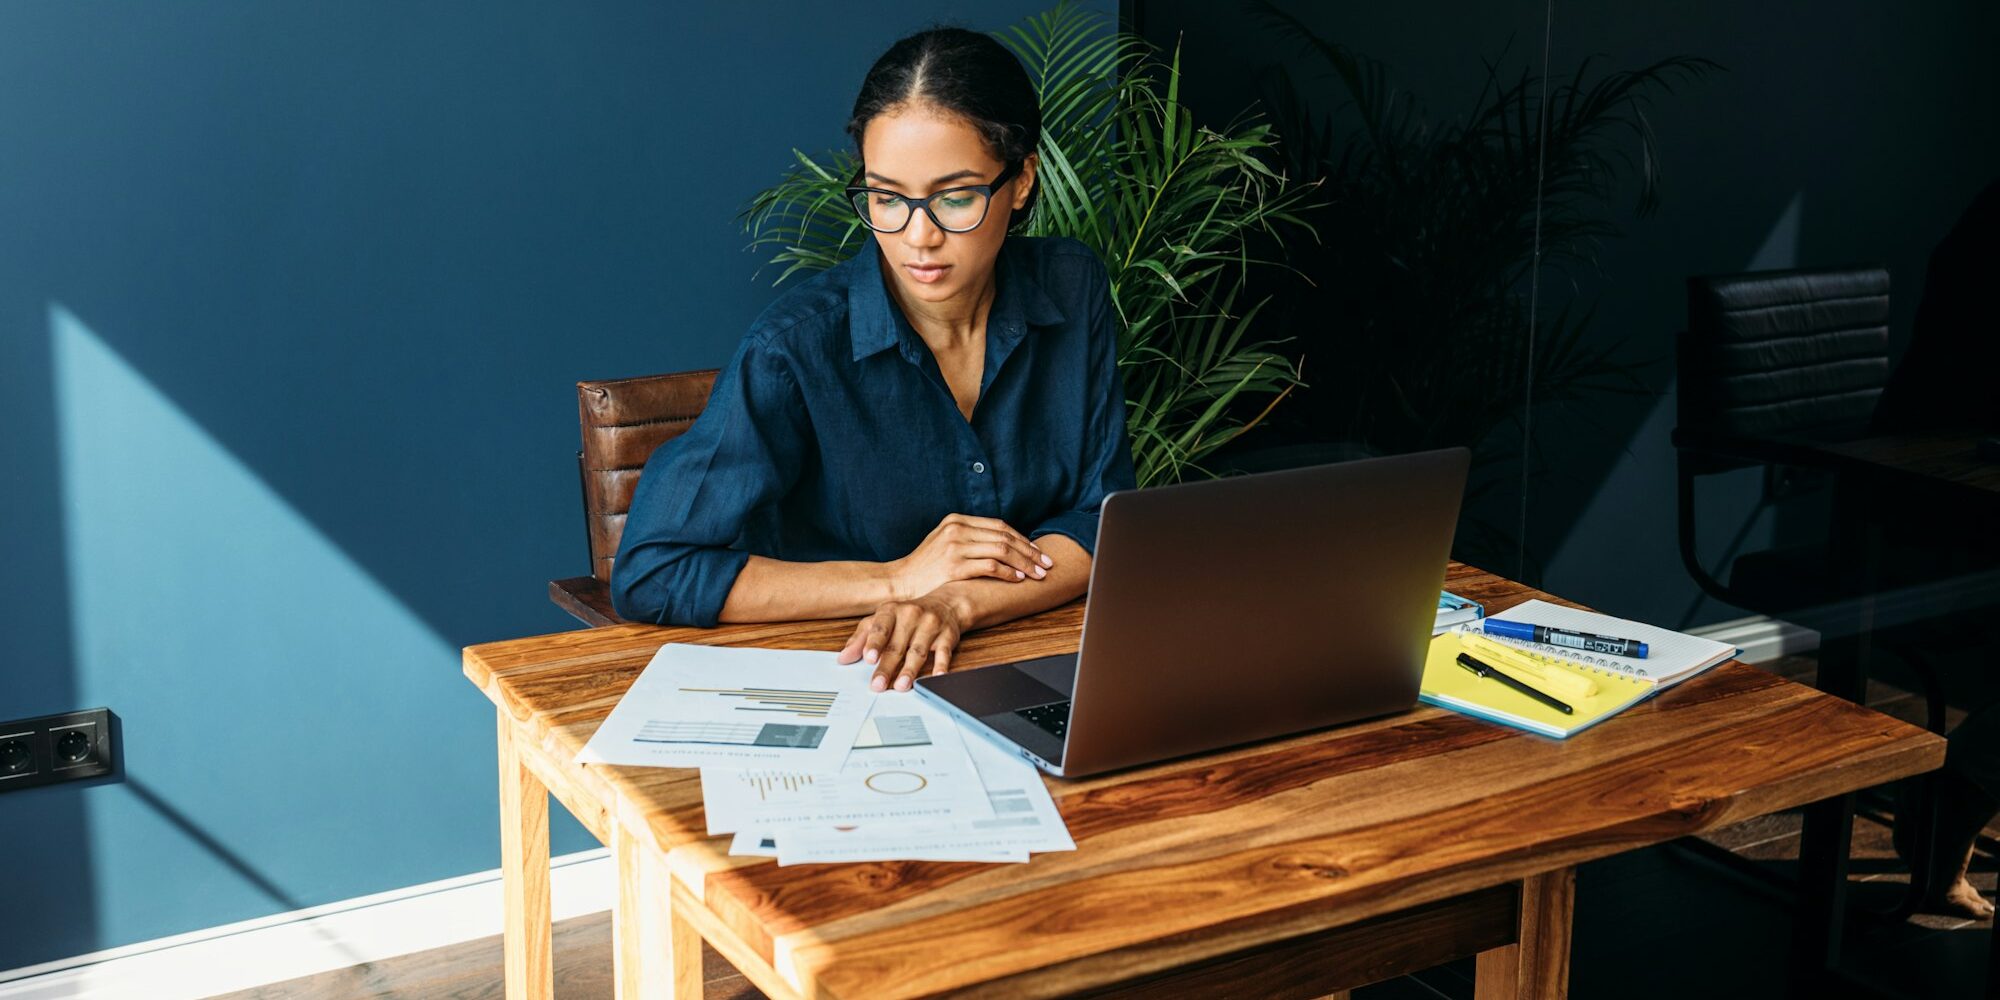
<point x="1780" y="357"/>
<point x="1772" y="357"/>
<point x="622" y="421"/>
<point x="1775" y="357"/>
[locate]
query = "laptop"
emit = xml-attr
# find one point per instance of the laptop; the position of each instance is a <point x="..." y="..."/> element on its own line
<point x="1228" y="611"/>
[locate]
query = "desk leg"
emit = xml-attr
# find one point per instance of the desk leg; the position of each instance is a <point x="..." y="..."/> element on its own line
<point x="1536" y="965"/>
<point x="524" y="872"/>
<point x="1824" y="839"/>
<point x="1822" y="898"/>
<point x="657" y="953"/>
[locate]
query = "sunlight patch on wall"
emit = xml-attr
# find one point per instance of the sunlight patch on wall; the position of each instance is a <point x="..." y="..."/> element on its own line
<point x="1781" y="247"/>
<point x="275" y="698"/>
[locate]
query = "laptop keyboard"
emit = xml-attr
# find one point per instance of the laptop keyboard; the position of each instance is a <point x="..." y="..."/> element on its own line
<point x="1052" y="718"/>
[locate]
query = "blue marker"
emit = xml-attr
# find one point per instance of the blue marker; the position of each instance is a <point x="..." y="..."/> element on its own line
<point x="1589" y="642"/>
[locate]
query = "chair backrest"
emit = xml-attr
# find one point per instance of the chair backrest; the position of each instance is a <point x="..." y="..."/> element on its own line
<point x="623" y="420"/>
<point x="1783" y="353"/>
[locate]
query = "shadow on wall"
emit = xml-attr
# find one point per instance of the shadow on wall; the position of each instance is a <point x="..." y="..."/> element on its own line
<point x="47" y="860"/>
<point x="268" y="687"/>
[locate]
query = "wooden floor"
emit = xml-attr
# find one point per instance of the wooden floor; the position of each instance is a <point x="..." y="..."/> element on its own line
<point x="1632" y="913"/>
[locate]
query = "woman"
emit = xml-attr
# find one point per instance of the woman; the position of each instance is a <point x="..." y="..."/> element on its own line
<point x="922" y="435"/>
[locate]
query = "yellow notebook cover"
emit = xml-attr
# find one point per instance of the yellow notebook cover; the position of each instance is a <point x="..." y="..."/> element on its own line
<point x="1448" y="685"/>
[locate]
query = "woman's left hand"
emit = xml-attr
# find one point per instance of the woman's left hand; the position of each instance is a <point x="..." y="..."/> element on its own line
<point x="902" y="638"/>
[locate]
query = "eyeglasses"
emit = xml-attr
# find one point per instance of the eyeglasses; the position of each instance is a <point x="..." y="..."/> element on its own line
<point x="954" y="210"/>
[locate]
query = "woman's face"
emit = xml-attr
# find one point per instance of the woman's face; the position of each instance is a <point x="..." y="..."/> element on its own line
<point x="916" y="149"/>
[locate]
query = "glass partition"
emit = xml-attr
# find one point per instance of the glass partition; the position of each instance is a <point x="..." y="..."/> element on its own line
<point x="1407" y="293"/>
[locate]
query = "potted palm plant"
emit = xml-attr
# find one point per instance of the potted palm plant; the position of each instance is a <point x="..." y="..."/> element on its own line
<point x="1166" y="202"/>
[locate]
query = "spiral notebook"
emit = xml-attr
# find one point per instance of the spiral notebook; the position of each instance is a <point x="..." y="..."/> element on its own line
<point x="1675" y="656"/>
<point x="1448" y="685"/>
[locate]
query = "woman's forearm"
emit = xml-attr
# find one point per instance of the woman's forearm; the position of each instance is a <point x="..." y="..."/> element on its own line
<point x="772" y="590"/>
<point x="985" y="602"/>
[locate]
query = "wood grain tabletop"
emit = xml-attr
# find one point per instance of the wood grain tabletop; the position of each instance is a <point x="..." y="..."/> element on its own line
<point x="1209" y="855"/>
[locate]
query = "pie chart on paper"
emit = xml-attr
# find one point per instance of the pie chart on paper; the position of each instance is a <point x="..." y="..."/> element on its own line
<point x="896" y="782"/>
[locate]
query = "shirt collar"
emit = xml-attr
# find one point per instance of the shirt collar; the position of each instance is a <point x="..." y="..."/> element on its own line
<point x="876" y="324"/>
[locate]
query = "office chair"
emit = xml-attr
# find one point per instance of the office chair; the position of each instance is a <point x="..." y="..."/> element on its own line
<point x="1769" y="358"/>
<point x="622" y="421"/>
<point x="1776" y="357"/>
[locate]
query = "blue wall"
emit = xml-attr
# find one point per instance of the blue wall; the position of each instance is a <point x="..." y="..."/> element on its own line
<point x="292" y="298"/>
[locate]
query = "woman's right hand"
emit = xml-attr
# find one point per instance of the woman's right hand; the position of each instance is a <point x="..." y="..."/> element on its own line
<point x="965" y="547"/>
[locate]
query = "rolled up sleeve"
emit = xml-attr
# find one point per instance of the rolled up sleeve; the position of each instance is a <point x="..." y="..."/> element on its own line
<point x="1108" y="452"/>
<point x="676" y="563"/>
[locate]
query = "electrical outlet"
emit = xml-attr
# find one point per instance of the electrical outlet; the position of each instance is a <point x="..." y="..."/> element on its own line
<point x="55" y="748"/>
<point x="17" y="753"/>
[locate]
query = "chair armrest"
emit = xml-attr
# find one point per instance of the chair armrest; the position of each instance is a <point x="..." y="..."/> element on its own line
<point x="586" y="598"/>
<point x="1743" y="449"/>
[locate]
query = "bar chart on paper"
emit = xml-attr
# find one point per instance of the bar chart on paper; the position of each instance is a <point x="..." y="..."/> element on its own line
<point x="797" y="704"/>
<point x="768" y="784"/>
<point x="803" y="704"/>
<point x="793" y="709"/>
<point x="734" y="734"/>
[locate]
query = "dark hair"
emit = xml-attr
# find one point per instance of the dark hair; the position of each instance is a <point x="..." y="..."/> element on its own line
<point x="966" y="74"/>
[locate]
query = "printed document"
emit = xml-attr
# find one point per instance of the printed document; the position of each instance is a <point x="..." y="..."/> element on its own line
<point x="908" y="765"/>
<point x="754" y="844"/>
<point x="1023" y="819"/>
<point x="717" y="706"/>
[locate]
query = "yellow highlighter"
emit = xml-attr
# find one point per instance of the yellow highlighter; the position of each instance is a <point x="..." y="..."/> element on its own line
<point x="1553" y="677"/>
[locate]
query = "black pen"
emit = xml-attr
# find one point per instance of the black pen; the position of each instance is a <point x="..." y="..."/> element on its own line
<point x="1483" y="670"/>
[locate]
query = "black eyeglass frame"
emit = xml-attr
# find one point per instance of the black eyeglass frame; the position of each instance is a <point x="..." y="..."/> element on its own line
<point x="1012" y="170"/>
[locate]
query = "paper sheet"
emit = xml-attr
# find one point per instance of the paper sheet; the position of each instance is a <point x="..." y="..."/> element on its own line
<point x="1024" y="819"/>
<point x="1674" y="656"/>
<point x="908" y="765"/>
<point x="753" y="844"/>
<point x="715" y="706"/>
<point x="756" y="844"/>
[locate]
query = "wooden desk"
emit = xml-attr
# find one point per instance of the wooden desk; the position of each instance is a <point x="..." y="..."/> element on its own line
<point x="1295" y="868"/>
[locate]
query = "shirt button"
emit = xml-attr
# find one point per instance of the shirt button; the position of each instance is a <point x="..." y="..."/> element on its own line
<point x="979" y="467"/>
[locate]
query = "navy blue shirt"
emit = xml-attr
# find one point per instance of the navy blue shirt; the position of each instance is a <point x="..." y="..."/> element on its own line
<point x="832" y="434"/>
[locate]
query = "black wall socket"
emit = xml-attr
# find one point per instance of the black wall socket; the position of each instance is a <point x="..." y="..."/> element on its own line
<point x="55" y="748"/>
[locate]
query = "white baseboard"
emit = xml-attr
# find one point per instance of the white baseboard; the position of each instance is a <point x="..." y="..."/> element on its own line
<point x="1761" y="637"/>
<point x="289" y="945"/>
